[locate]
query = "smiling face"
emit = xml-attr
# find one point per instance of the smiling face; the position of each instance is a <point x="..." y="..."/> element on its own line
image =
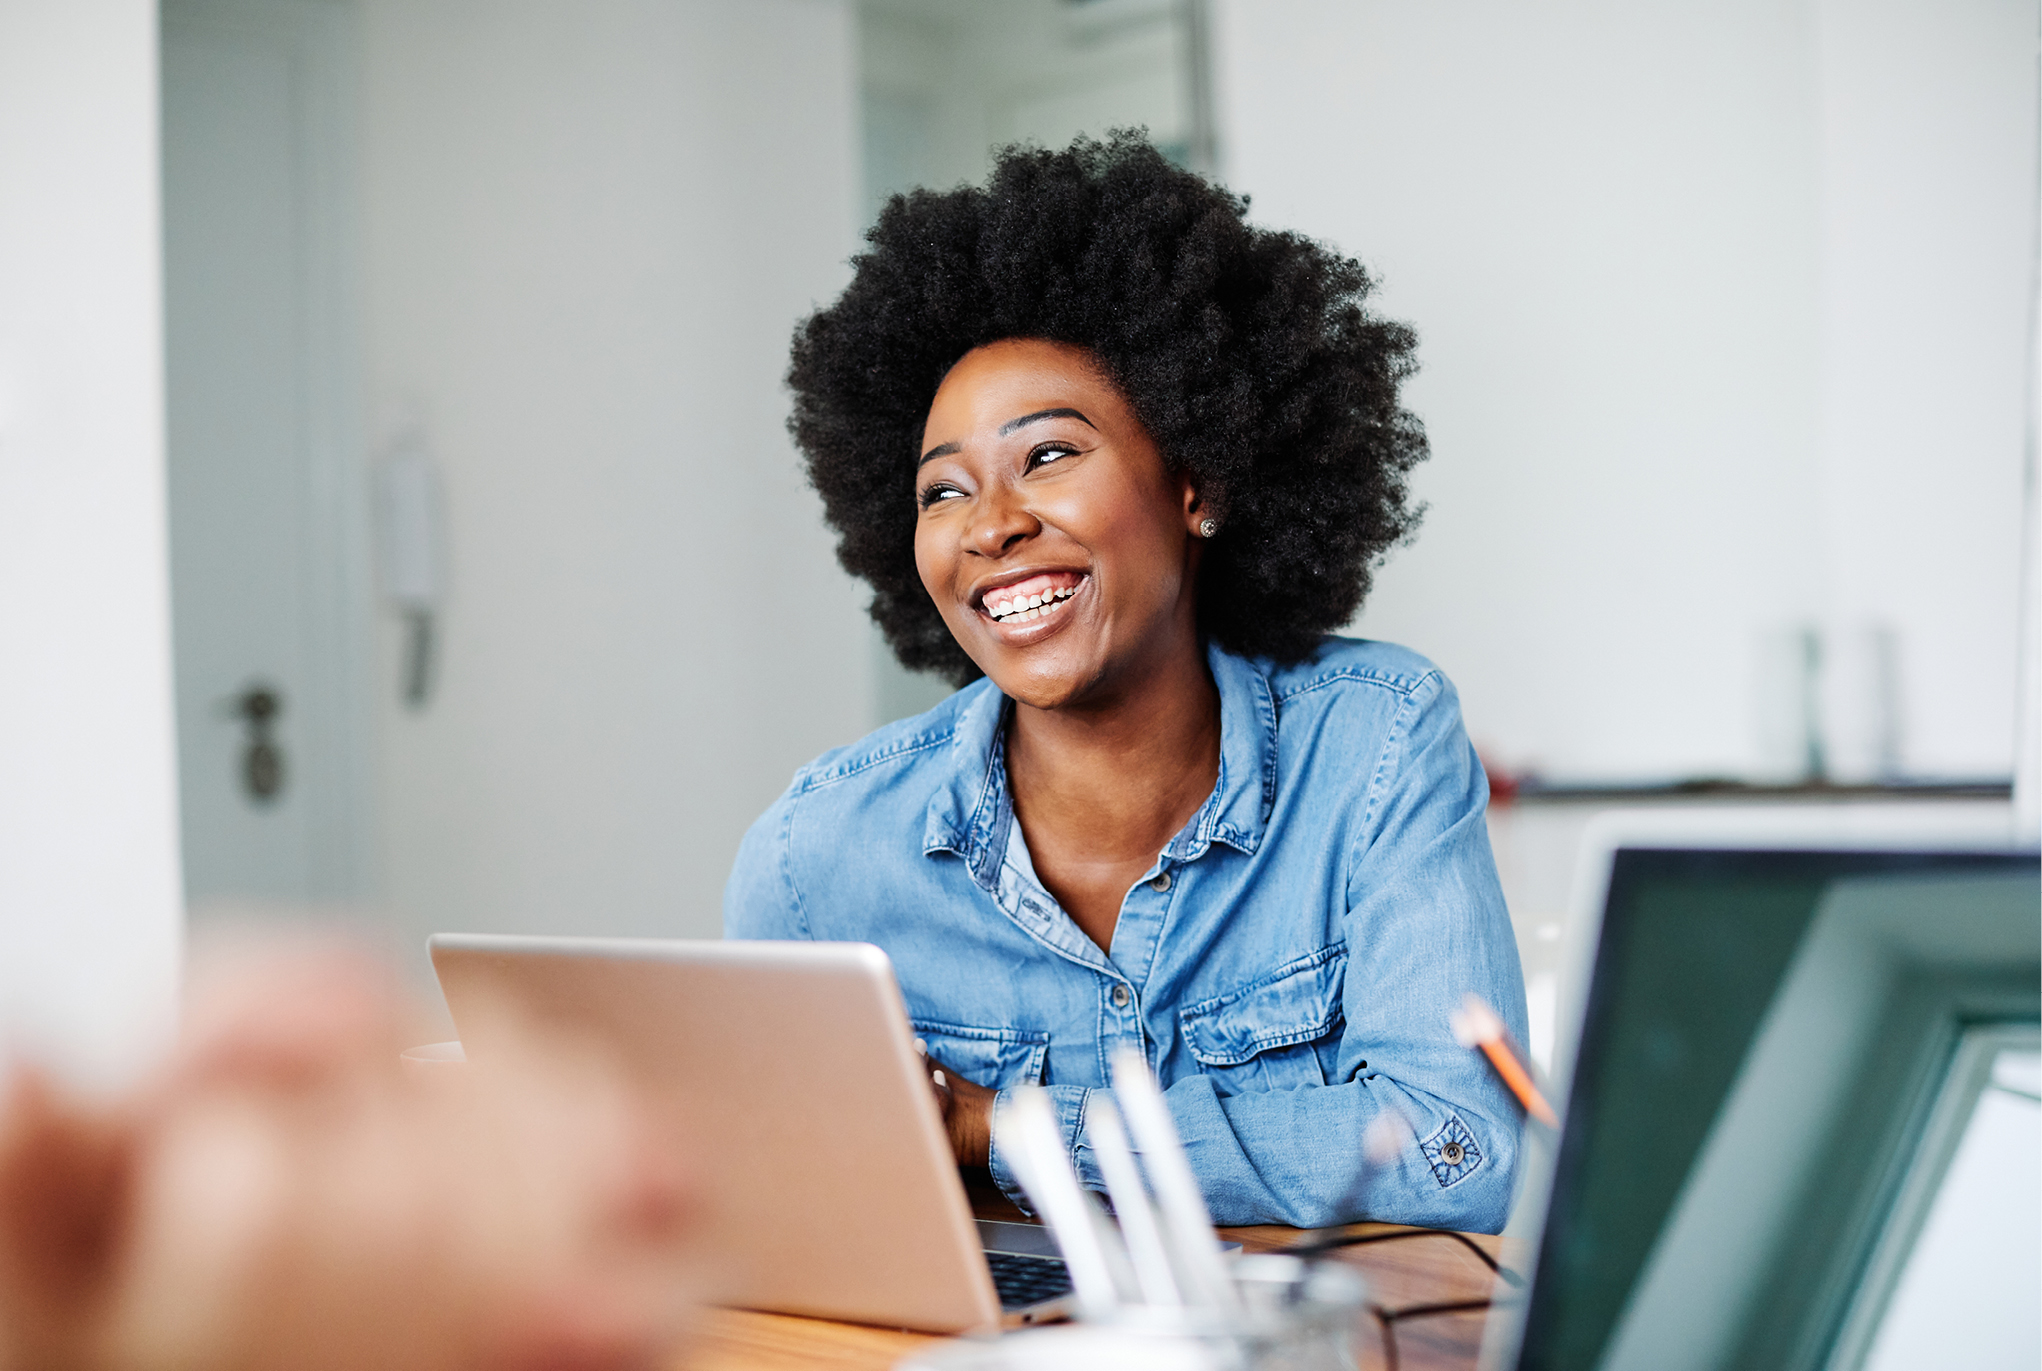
<point x="1058" y="547"/>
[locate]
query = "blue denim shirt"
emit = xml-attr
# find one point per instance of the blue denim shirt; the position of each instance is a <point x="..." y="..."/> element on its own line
<point x="1288" y="965"/>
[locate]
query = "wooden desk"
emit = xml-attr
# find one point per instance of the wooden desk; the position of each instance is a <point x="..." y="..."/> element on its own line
<point x="1402" y="1273"/>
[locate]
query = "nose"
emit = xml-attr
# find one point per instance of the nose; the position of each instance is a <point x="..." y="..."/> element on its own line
<point x="1000" y="521"/>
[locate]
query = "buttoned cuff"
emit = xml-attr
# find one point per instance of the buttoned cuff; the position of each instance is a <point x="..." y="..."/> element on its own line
<point x="1069" y="1103"/>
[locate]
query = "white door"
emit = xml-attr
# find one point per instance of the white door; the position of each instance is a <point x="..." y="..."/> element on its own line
<point x="267" y="504"/>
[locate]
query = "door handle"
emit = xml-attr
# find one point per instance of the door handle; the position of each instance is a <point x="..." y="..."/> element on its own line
<point x="262" y="761"/>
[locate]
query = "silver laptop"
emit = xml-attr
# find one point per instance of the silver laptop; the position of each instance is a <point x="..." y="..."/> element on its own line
<point x="826" y="1179"/>
<point x="1766" y="1055"/>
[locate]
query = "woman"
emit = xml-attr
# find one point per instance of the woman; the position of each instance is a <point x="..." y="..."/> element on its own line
<point x="1092" y="438"/>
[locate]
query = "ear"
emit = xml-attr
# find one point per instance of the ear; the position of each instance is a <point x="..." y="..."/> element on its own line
<point x="1202" y="517"/>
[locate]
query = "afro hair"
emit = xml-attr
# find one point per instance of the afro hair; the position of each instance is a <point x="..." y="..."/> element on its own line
<point x="1246" y="353"/>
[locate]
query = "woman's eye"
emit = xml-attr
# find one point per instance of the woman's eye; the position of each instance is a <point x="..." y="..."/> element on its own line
<point x="935" y="494"/>
<point x="1049" y="452"/>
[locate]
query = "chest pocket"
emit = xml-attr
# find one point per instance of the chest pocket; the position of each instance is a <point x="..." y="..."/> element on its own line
<point x="1278" y="1033"/>
<point x="993" y="1057"/>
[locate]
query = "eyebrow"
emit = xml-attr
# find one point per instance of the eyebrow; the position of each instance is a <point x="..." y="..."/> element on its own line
<point x="951" y="449"/>
<point x="1041" y="414"/>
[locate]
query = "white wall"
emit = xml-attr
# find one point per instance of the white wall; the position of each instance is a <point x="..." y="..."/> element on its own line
<point x="1688" y="378"/>
<point x="1928" y="271"/>
<point x="589" y="230"/>
<point x="90" y="922"/>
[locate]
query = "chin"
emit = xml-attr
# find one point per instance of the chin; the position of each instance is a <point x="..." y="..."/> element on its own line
<point x="1038" y="694"/>
<point x="1053" y="682"/>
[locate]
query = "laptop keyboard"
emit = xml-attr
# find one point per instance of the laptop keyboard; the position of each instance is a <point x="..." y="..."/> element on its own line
<point x="1023" y="1281"/>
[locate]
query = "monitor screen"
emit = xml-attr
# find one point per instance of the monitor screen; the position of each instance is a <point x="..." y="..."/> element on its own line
<point x="1696" y="953"/>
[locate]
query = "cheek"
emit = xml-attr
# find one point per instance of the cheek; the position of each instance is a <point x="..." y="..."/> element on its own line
<point x="1135" y="532"/>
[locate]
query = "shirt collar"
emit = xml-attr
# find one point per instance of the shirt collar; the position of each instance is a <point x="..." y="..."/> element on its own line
<point x="970" y="812"/>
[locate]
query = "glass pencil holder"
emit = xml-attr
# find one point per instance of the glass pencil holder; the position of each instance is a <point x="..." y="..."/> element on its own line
<point x="1293" y="1315"/>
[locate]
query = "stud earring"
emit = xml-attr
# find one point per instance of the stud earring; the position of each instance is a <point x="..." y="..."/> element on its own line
<point x="1208" y="528"/>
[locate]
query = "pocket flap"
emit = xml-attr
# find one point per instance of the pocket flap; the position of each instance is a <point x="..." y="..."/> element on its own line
<point x="992" y="1057"/>
<point x="1298" y="1002"/>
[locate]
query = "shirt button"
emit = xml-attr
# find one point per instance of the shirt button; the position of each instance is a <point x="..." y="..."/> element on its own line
<point x="1161" y="883"/>
<point x="1451" y="1153"/>
<point x="1121" y="997"/>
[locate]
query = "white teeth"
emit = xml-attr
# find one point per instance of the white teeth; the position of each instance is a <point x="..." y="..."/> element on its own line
<point x="1021" y="608"/>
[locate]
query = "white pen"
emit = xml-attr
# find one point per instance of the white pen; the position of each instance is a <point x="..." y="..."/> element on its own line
<point x="1033" y="1146"/>
<point x="1193" y="1242"/>
<point x="1145" y="1246"/>
<point x="922" y="1050"/>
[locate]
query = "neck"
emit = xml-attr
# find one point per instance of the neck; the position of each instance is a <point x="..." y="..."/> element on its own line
<point x="1123" y="773"/>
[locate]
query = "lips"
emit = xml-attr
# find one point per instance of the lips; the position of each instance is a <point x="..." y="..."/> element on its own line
<point x="1032" y="596"/>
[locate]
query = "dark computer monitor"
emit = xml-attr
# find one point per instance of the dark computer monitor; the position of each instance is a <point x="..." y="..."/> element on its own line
<point x="1765" y="1029"/>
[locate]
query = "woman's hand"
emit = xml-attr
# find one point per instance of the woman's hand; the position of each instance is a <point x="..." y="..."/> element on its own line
<point x="967" y="1113"/>
<point x="285" y="1192"/>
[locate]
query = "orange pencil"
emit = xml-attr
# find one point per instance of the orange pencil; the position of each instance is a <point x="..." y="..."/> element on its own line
<point x="1476" y="1025"/>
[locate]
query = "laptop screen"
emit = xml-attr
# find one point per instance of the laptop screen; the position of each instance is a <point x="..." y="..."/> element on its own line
<point x="1694" y="949"/>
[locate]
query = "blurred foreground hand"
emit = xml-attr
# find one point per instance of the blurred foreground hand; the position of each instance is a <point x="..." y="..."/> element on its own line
<point x="285" y="1194"/>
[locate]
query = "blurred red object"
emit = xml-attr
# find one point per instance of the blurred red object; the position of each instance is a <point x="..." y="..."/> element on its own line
<point x="1503" y="782"/>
